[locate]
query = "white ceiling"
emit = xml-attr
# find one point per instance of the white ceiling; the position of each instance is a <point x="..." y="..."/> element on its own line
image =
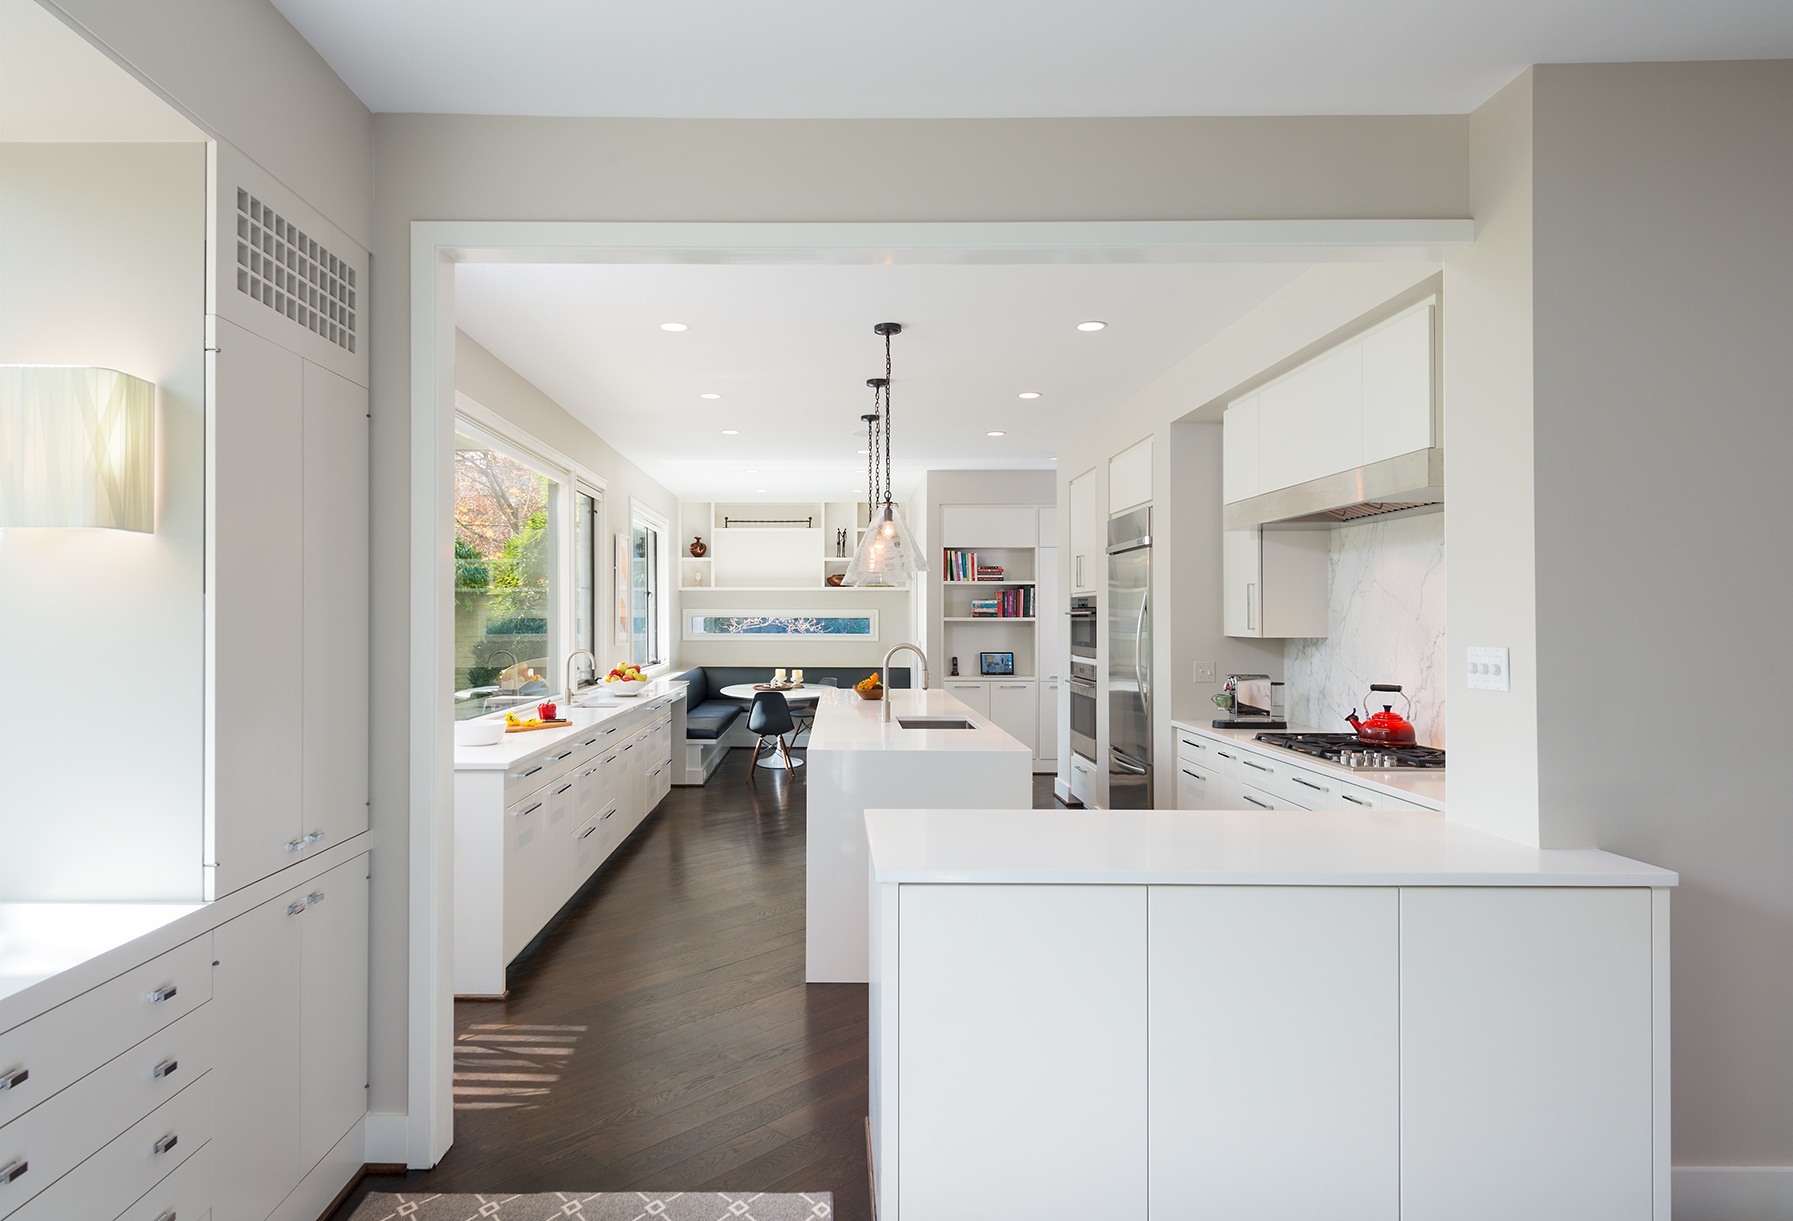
<point x="54" y="87"/>
<point x="996" y="58"/>
<point x="789" y="349"/>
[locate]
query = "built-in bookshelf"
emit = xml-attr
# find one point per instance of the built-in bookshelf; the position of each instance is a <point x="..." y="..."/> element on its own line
<point x="754" y="546"/>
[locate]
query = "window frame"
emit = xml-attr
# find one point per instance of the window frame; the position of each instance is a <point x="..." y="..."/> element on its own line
<point x="642" y="516"/>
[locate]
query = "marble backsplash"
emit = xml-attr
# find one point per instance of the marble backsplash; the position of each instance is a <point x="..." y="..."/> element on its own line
<point x="1386" y="618"/>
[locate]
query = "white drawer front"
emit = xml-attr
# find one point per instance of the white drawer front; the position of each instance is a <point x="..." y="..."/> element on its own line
<point x="115" y="1178"/>
<point x="57" y="1049"/>
<point x="1193" y="748"/>
<point x="185" y="1195"/>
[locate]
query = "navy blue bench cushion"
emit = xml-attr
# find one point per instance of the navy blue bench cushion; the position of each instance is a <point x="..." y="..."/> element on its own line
<point x="711" y="719"/>
<point x="697" y="686"/>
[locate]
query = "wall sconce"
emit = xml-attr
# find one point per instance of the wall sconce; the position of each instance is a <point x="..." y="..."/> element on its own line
<point x="77" y="448"/>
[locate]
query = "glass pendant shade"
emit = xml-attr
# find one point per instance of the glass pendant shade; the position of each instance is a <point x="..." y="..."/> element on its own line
<point x="77" y="448"/>
<point x="887" y="554"/>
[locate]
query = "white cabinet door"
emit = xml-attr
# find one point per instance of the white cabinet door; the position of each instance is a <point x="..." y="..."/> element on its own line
<point x="1275" y="583"/>
<point x="1088" y="541"/>
<point x="1239" y="450"/>
<point x="1130" y="477"/>
<point x="335" y="697"/>
<point x="1085" y="782"/>
<point x="1051" y="607"/>
<point x="975" y="696"/>
<point x="1242" y="583"/>
<point x="523" y="846"/>
<point x="256" y="992"/>
<point x="1275" y="1045"/>
<point x="1310" y="422"/>
<point x="1397" y="386"/>
<point x="1023" y="1019"/>
<point x="976" y="526"/>
<point x="256" y="574"/>
<point x="556" y="872"/>
<point x="1049" y="526"/>
<point x="1254" y="798"/>
<point x="333" y="1010"/>
<point x="1046" y="745"/>
<point x="1196" y="787"/>
<point x="1015" y="707"/>
<point x="1525" y="1053"/>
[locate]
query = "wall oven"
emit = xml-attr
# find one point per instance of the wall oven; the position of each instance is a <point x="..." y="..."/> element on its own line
<point x="1084" y="627"/>
<point x="1082" y="686"/>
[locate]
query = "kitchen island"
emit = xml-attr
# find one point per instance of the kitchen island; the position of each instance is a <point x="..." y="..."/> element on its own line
<point x="1268" y="1015"/>
<point x="859" y="760"/>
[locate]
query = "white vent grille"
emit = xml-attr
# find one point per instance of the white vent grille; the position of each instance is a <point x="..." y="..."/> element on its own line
<point x="292" y="275"/>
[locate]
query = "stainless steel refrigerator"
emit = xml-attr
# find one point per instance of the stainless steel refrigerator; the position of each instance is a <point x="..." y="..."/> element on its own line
<point x="1130" y="660"/>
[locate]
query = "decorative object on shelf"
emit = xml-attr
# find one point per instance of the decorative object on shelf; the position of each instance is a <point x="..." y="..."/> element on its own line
<point x="955" y="669"/>
<point x="836" y="579"/>
<point x="707" y="624"/>
<point x="840" y="545"/>
<point x="1001" y="664"/>
<point x="697" y="577"/>
<point x="699" y="548"/>
<point x="886" y="555"/>
<point x="77" y="449"/>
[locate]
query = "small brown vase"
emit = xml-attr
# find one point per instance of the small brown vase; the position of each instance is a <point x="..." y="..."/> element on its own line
<point x="699" y="548"/>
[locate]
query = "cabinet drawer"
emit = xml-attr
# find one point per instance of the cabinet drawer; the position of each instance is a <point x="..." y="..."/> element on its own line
<point x="52" y="1139"/>
<point x="1193" y="748"/>
<point x="185" y="1195"/>
<point x="544" y="769"/>
<point x="116" y="1177"/>
<point x="58" y="1048"/>
<point x="1195" y="787"/>
<point x="1258" y="799"/>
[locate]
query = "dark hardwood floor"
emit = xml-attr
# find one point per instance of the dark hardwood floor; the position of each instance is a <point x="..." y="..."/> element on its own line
<point x="662" y="1037"/>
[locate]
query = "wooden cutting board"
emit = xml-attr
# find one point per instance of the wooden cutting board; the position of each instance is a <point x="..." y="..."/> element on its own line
<point x="537" y="725"/>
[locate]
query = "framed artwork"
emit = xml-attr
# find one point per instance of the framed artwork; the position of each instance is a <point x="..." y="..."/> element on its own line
<point x="622" y="584"/>
<point x="708" y="624"/>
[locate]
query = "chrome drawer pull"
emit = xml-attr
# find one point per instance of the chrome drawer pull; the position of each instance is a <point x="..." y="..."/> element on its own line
<point x="167" y="1216"/>
<point x="1259" y="766"/>
<point x="18" y="1076"/>
<point x="13" y="1170"/>
<point x="316" y="896"/>
<point x="1318" y="788"/>
<point x="1192" y="775"/>
<point x="1261" y="805"/>
<point x="532" y="809"/>
<point x="608" y="813"/>
<point x="295" y="909"/>
<point x="314" y="837"/>
<point x="293" y="845"/>
<point x="586" y="834"/>
<point x="166" y="992"/>
<point x="165" y="1069"/>
<point x="1223" y="754"/>
<point x="532" y="771"/>
<point x="1356" y="801"/>
<point x="166" y="1143"/>
<point x="563" y="788"/>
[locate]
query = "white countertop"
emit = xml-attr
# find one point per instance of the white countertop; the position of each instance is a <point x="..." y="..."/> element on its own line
<point x="513" y="748"/>
<point x="846" y="722"/>
<point x="1422" y="787"/>
<point x="38" y="940"/>
<point x="1224" y="848"/>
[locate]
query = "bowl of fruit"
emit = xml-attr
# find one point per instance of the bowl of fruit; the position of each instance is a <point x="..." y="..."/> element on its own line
<point x="870" y="688"/>
<point x="626" y="680"/>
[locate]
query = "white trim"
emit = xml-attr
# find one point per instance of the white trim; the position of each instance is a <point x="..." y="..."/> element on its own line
<point x="1733" y="1193"/>
<point x="437" y="245"/>
<point x="387" y="1140"/>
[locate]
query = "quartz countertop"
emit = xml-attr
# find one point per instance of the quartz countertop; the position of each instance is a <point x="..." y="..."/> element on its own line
<point x="1421" y="786"/>
<point x="845" y="722"/>
<point x="513" y="748"/>
<point x="1224" y="848"/>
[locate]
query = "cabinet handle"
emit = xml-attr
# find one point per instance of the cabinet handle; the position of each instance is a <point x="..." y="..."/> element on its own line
<point x="1223" y="754"/>
<point x="532" y="809"/>
<point x="165" y="1069"/>
<point x="295" y="909"/>
<point x="1254" y="801"/>
<point x="589" y="742"/>
<point x="563" y="788"/>
<point x="1318" y="788"/>
<point x="166" y="992"/>
<point x="12" y="1170"/>
<point x="314" y="837"/>
<point x="586" y="834"/>
<point x="558" y="758"/>
<point x="18" y="1076"/>
<point x="608" y="813"/>
<point x="610" y="760"/>
<point x="168" y="1216"/>
<point x="1194" y="776"/>
<point x="293" y="845"/>
<point x="532" y="771"/>
<point x="165" y="1143"/>
<point x="1356" y="801"/>
<point x="1250" y="610"/>
<point x="316" y="896"/>
<point x="1256" y="766"/>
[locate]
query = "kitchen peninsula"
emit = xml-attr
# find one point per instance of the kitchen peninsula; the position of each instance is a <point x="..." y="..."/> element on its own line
<point x="858" y="759"/>
<point x="1281" y="1015"/>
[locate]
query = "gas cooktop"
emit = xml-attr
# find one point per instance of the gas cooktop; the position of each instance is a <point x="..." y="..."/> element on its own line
<point x="1346" y="750"/>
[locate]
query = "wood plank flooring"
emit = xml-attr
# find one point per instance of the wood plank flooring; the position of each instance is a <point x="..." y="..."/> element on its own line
<point x="662" y="1036"/>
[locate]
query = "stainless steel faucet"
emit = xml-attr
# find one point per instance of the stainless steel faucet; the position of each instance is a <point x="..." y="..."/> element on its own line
<point x="575" y="655"/>
<point x="492" y="655"/>
<point x="884" y="671"/>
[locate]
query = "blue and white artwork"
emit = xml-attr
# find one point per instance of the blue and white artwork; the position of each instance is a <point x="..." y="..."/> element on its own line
<point x="781" y="625"/>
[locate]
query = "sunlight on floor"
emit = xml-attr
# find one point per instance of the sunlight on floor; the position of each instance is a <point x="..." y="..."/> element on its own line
<point x="499" y="1066"/>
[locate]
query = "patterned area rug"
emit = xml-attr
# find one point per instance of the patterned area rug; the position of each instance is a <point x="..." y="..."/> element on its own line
<point x="599" y="1206"/>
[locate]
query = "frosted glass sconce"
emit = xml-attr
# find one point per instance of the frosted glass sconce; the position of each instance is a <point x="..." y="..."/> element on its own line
<point x="77" y="448"/>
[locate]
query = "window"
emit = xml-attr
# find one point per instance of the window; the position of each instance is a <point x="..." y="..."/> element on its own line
<point x="646" y="624"/>
<point x="587" y="563"/>
<point x="506" y="544"/>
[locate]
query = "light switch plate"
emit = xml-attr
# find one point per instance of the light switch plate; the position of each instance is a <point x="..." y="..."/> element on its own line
<point x="1204" y="671"/>
<point x="1490" y="669"/>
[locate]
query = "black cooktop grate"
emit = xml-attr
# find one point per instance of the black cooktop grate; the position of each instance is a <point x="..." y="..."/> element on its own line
<point x="1333" y="746"/>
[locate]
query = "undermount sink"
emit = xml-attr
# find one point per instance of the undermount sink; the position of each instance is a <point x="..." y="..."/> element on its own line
<point x="934" y="722"/>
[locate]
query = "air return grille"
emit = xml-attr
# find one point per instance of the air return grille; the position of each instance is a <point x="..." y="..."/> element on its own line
<point x="292" y="275"/>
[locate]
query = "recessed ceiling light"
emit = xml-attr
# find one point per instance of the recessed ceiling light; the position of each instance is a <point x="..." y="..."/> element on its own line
<point x="1030" y="394"/>
<point x="1091" y="325"/>
<point x="863" y="453"/>
<point x="731" y="432"/>
<point x="1053" y="458"/>
<point x="709" y="396"/>
<point x="750" y="472"/>
<point x="674" y="326"/>
<point x="762" y="491"/>
<point x="996" y="434"/>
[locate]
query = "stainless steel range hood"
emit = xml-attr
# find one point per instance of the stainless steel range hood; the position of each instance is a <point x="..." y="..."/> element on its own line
<point x="1405" y="484"/>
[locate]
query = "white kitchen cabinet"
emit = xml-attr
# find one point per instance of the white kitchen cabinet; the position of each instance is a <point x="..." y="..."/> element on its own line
<point x="1033" y="1032"/>
<point x="1046" y="745"/>
<point x="525" y="846"/>
<point x="1275" y="583"/>
<point x="977" y="527"/>
<point x="1239" y="450"/>
<point x="1089" y="545"/>
<point x="558" y="827"/>
<point x="1253" y="798"/>
<point x="334" y="796"/>
<point x="1196" y="787"/>
<point x="1052" y="607"/>
<point x="1398" y="393"/>
<point x="332" y="1010"/>
<point x="256" y="574"/>
<point x="1526" y="1054"/>
<point x="974" y="695"/>
<point x="1086" y="784"/>
<point x="1015" y="707"/>
<point x="1130" y="477"/>
<point x="1310" y="422"/>
<point x="1048" y="525"/>
<point x="1275" y="1052"/>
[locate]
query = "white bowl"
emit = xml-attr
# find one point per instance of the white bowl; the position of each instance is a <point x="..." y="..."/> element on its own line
<point x="625" y="688"/>
<point x="478" y="733"/>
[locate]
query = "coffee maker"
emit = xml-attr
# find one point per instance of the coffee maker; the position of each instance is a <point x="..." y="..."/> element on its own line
<point x="1251" y="701"/>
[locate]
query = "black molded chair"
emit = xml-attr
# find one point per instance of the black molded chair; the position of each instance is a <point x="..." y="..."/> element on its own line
<point x="770" y="717"/>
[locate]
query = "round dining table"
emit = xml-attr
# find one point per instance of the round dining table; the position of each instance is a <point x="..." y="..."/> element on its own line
<point x="796" y="697"/>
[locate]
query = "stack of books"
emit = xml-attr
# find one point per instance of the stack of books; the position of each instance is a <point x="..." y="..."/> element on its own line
<point x="1009" y="604"/>
<point x="962" y="565"/>
<point x="989" y="572"/>
<point x="986" y="608"/>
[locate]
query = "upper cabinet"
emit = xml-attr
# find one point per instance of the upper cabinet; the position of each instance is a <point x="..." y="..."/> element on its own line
<point x="1130" y="478"/>
<point x="1366" y="401"/>
<point x="1088" y="568"/>
<point x="990" y="526"/>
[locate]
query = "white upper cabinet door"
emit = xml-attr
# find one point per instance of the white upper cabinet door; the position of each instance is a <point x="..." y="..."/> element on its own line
<point x="1242" y="583"/>
<point x="336" y="608"/>
<point x="1015" y="708"/>
<point x="1049" y="526"/>
<point x="1310" y="423"/>
<point x="1130" y="477"/>
<point x="1275" y="1045"/>
<point x="1397" y="386"/>
<point x="1239" y="450"/>
<point x="977" y="526"/>
<point x="1089" y="565"/>
<point x="257" y="578"/>
<point x="1051" y="606"/>
<point x="333" y="1009"/>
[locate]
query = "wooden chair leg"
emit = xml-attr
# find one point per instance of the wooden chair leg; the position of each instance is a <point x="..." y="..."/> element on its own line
<point x="753" y="764"/>
<point x="786" y="752"/>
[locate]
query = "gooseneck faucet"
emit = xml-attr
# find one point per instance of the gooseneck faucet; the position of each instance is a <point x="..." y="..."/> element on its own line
<point x="575" y="655"/>
<point x="885" y="671"/>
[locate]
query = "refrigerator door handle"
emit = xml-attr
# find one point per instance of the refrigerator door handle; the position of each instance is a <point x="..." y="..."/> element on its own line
<point x="1128" y="764"/>
<point x="1139" y="671"/>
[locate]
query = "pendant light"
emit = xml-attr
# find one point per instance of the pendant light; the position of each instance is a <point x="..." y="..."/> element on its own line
<point x="887" y="554"/>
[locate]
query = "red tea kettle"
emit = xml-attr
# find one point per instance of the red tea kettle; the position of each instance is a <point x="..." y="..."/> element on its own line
<point x="1388" y="727"/>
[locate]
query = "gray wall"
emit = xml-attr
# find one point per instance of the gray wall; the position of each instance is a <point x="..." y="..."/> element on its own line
<point x="1664" y="426"/>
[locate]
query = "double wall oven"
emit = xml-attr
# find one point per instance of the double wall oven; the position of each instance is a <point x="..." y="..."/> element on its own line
<point x="1082" y="683"/>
